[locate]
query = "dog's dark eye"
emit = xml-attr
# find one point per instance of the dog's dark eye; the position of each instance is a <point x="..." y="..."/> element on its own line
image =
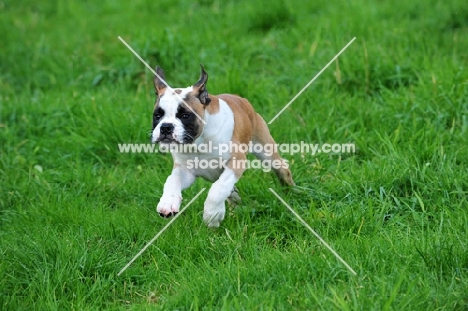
<point x="185" y="115"/>
<point x="158" y="114"/>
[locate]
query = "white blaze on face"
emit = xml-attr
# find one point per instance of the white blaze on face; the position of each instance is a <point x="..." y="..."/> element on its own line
<point x="169" y="103"/>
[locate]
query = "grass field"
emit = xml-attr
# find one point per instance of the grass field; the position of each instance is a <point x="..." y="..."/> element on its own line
<point x="74" y="210"/>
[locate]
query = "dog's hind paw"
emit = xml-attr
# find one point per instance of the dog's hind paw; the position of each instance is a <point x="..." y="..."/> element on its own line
<point x="234" y="198"/>
<point x="213" y="220"/>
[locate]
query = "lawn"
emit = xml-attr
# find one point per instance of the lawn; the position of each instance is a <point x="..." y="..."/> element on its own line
<point x="74" y="210"/>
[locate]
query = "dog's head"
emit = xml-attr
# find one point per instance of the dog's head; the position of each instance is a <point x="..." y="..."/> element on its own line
<point x="178" y="112"/>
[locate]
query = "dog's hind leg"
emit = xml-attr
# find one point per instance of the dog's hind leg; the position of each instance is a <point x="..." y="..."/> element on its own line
<point x="269" y="152"/>
<point x="234" y="198"/>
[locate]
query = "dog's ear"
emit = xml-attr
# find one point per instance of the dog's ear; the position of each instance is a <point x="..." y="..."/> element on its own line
<point x="199" y="88"/>
<point x="159" y="81"/>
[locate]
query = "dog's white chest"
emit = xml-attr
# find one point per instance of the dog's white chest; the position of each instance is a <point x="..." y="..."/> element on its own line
<point x="211" y="154"/>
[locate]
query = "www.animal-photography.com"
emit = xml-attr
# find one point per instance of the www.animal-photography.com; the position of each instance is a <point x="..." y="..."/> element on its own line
<point x="234" y="155"/>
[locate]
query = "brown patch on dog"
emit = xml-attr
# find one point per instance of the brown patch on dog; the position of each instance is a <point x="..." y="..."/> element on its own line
<point x="250" y="126"/>
<point x="213" y="107"/>
<point x="159" y="85"/>
<point x="261" y="135"/>
<point x="178" y="91"/>
<point x="237" y="163"/>
<point x="244" y="117"/>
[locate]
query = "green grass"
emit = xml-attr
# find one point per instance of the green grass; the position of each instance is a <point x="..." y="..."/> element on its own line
<point x="74" y="211"/>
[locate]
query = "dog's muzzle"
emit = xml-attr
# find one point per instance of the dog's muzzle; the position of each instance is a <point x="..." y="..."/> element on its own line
<point x="166" y="132"/>
<point x="167" y="129"/>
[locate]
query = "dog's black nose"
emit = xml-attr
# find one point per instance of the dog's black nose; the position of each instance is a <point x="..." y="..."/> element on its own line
<point x="167" y="128"/>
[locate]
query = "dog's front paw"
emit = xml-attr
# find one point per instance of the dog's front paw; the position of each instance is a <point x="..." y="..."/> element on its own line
<point x="169" y="205"/>
<point x="213" y="215"/>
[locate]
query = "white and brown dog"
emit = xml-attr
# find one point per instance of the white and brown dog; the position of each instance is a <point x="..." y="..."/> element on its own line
<point x="228" y="120"/>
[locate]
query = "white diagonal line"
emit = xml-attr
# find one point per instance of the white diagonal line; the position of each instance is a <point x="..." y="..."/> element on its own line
<point x="313" y="231"/>
<point x="311" y="81"/>
<point x="163" y="81"/>
<point x="145" y="63"/>
<point x="159" y="233"/>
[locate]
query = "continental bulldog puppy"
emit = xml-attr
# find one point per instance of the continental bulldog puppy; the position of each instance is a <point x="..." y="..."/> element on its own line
<point x="216" y="128"/>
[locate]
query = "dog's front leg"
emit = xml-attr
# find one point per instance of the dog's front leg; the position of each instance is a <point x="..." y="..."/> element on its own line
<point x="171" y="199"/>
<point x="215" y="208"/>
